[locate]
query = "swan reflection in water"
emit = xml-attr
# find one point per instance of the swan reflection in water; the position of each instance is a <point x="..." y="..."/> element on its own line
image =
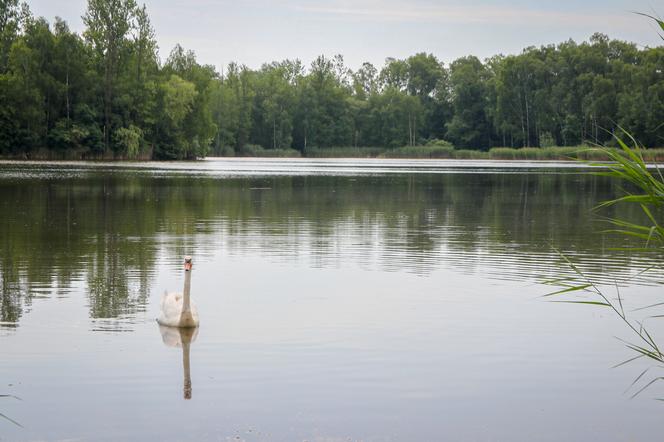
<point x="182" y="338"/>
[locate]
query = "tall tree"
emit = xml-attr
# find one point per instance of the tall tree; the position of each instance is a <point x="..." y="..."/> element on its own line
<point x="470" y="126"/>
<point x="108" y="24"/>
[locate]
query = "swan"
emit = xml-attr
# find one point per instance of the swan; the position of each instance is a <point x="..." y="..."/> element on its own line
<point x="182" y="338"/>
<point x="177" y="310"/>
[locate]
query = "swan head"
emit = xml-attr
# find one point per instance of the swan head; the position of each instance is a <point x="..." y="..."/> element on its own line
<point x="187" y="263"/>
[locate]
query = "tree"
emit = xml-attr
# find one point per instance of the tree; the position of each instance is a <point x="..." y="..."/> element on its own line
<point x="177" y="102"/>
<point x="105" y="94"/>
<point x="273" y="103"/>
<point x="470" y="126"/>
<point x="12" y="17"/>
<point x="108" y="24"/>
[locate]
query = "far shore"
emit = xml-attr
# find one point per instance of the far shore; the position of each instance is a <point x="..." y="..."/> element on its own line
<point x="435" y="152"/>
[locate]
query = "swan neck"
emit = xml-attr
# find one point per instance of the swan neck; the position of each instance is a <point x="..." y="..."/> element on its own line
<point x="186" y="303"/>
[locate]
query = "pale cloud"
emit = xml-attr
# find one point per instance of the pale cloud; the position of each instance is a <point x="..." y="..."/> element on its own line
<point x="257" y="31"/>
<point x="395" y="11"/>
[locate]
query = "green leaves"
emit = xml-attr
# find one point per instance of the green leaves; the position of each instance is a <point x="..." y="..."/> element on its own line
<point x="583" y="284"/>
<point x="562" y="95"/>
<point x="570" y="289"/>
<point x="7" y="417"/>
<point x="603" y="304"/>
<point x="657" y="20"/>
<point x="628" y="166"/>
<point x="178" y="96"/>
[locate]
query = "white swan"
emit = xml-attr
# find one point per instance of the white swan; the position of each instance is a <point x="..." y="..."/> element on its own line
<point x="177" y="310"/>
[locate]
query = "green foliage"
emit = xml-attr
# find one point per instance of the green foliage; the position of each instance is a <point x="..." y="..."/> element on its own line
<point x="68" y="136"/>
<point x="254" y="150"/>
<point x="251" y="150"/>
<point x="646" y="189"/>
<point x="67" y="92"/>
<point x="108" y="24"/>
<point x="178" y="99"/>
<point x="468" y="154"/>
<point x="441" y="143"/>
<point x="470" y="126"/>
<point x="428" y="151"/>
<point x="129" y="139"/>
<point x="344" y="152"/>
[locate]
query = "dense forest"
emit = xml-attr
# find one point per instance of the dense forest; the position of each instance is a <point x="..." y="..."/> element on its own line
<point x="107" y="94"/>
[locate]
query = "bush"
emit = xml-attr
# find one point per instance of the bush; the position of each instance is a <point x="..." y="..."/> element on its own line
<point x="440" y="143"/>
<point x="227" y="151"/>
<point x="280" y="153"/>
<point x="128" y="139"/>
<point x="254" y="150"/>
<point x="428" y="151"/>
<point x="502" y="153"/>
<point x="343" y="152"/>
<point x="251" y="150"/>
<point x="547" y="140"/>
<point x="467" y="154"/>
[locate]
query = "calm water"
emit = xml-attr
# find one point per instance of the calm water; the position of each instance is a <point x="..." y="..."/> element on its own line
<point x="339" y="300"/>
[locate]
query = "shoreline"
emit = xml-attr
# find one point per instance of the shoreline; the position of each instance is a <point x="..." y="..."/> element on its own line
<point x="251" y="165"/>
<point x="580" y="161"/>
<point x="433" y="152"/>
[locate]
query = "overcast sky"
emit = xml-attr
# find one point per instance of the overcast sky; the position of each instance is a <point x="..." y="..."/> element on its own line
<point x="256" y="31"/>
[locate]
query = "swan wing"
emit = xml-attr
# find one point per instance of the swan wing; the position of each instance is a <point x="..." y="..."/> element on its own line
<point x="171" y="309"/>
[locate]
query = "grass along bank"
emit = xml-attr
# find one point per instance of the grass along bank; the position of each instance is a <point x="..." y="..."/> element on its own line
<point x="654" y="155"/>
<point x="448" y="152"/>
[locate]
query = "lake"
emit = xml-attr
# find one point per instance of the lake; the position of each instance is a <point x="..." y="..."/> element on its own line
<point x="370" y="300"/>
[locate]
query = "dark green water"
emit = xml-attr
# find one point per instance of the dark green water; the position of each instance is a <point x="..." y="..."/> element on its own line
<point x="368" y="300"/>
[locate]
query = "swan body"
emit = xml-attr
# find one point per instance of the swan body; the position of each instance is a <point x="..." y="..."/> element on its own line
<point x="172" y="315"/>
<point x="177" y="309"/>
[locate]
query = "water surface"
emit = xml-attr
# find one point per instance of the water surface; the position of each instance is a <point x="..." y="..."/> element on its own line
<point x="362" y="300"/>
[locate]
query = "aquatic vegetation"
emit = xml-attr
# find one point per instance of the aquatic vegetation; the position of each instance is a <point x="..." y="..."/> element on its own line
<point x="7" y="417"/>
<point x="645" y="188"/>
<point x="428" y="151"/>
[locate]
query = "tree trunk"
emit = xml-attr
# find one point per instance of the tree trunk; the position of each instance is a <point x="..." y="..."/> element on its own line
<point x="523" y="127"/>
<point x="527" y="119"/>
<point x="107" y="100"/>
<point x="67" y="90"/>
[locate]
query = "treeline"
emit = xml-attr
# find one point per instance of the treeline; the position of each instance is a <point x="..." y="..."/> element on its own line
<point x="105" y="93"/>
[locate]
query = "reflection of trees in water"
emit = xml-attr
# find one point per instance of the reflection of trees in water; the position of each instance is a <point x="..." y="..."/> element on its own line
<point x="11" y="293"/>
<point x="107" y="228"/>
<point x="68" y="230"/>
<point x="111" y="289"/>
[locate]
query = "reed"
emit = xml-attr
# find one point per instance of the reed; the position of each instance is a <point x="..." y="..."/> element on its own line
<point x="432" y="151"/>
<point x="343" y="152"/>
<point x="7" y="417"/>
<point x="254" y="150"/>
<point x="645" y="188"/>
